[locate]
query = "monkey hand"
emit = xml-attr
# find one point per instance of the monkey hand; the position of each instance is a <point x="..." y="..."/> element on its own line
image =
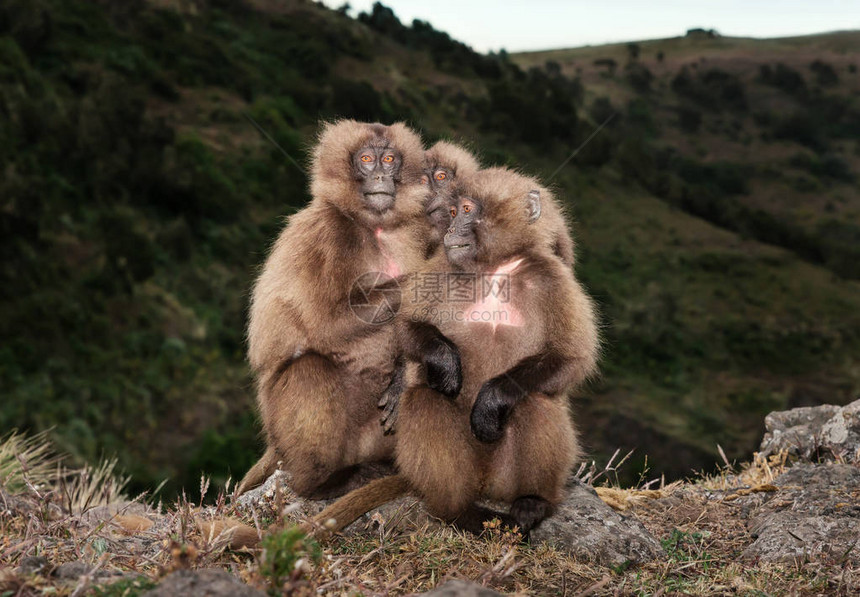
<point x="442" y="365"/>
<point x="390" y="401"/>
<point x="496" y="399"/>
<point x="389" y="405"/>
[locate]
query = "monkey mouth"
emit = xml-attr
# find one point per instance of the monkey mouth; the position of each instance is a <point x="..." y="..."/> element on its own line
<point x="459" y="246"/>
<point x="379" y="201"/>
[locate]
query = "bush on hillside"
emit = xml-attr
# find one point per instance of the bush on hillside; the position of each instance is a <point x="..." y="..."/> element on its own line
<point x="712" y="89"/>
<point x="783" y="77"/>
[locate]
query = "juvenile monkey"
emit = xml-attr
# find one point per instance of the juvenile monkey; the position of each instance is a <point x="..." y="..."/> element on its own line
<point x="441" y="163"/>
<point x="526" y="336"/>
<point x="444" y="163"/>
<point x="317" y="338"/>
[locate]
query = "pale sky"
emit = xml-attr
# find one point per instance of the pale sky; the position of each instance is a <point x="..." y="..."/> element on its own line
<point x="545" y="24"/>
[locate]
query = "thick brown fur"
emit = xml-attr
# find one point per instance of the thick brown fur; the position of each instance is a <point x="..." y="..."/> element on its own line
<point x="437" y="451"/>
<point x="458" y="163"/>
<point x="554" y="219"/>
<point x="320" y="368"/>
<point x="448" y="155"/>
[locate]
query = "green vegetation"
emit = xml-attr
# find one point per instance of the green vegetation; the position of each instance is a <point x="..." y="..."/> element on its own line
<point x="716" y="215"/>
<point x="283" y="555"/>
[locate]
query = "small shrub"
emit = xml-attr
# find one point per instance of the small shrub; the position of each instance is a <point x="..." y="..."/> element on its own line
<point x="633" y="51"/>
<point x="800" y="127"/>
<point x="714" y="89"/>
<point x="639" y="77"/>
<point x="825" y="75"/>
<point x="610" y="64"/>
<point x="783" y="77"/>
<point x="601" y="109"/>
<point x="282" y="553"/>
<point x="689" y="119"/>
<point x="826" y="166"/>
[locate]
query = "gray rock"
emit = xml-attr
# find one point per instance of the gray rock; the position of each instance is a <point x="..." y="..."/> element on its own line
<point x="32" y="565"/>
<point x="813" y="431"/>
<point x="406" y="511"/>
<point x="814" y="515"/>
<point x="202" y="583"/>
<point x="259" y="496"/>
<point x="71" y="570"/>
<point x="585" y="526"/>
<point x="462" y="588"/>
<point x="842" y="430"/>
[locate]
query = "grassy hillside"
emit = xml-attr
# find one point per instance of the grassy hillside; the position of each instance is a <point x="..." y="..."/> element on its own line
<point x="136" y="203"/>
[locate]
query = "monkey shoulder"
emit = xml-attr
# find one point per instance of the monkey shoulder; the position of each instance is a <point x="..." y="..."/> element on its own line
<point x="537" y="275"/>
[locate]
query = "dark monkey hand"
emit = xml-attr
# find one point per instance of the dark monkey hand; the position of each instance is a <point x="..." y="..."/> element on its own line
<point x="496" y="399"/>
<point x="442" y="364"/>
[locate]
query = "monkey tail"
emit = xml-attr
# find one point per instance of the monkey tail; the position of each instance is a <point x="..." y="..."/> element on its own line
<point x="350" y="507"/>
<point x="333" y="518"/>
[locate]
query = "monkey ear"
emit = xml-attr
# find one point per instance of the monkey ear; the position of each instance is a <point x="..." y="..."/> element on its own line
<point x="533" y="205"/>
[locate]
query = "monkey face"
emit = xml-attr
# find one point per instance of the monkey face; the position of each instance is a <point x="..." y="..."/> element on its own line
<point x="436" y="206"/>
<point x="461" y="240"/>
<point x="377" y="168"/>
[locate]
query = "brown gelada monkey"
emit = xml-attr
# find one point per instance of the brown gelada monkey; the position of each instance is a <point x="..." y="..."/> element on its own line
<point x="316" y="336"/>
<point x="485" y="411"/>
<point x="443" y="164"/>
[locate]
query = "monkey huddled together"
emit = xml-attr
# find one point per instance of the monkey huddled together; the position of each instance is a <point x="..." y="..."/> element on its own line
<point x="421" y="311"/>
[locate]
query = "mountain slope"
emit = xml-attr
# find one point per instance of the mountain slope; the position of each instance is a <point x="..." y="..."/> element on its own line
<point x="137" y="203"/>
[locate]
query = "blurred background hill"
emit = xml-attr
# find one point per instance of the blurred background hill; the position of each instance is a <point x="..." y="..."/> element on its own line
<point x="717" y="213"/>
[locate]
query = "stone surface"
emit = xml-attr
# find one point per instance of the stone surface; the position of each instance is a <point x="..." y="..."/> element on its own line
<point x="71" y="570"/>
<point x="33" y="565"/>
<point x="586" y="527"/>
<point x="814" y="515"/>
<point x="462" y="588"/>
<point x="400" y="513"/>
<point x="202" y="583"/>
<point x="818" y="431"/>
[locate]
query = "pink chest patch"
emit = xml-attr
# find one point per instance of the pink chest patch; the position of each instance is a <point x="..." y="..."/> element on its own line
<point x="495" y="305"/>
<point x="389" y="265"/>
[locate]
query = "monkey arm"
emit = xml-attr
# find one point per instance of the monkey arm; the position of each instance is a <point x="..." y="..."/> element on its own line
<point x="390" y="400"/>
<point x="569" y="357"/>
<point x="423" y="342"/>
<point x="275" y="333"/>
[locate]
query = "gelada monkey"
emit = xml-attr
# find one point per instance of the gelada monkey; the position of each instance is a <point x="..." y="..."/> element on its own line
<point x="444" y="163"/>
<point x="317" y="334"/>
<point x="487" y="417"/>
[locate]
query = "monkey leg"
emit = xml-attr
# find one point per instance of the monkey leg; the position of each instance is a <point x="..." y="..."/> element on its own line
<point x="319" y="429"/>
<point x="531" y="464"/>
<point x="257" y="475"/>
<point x="435" y="452"/>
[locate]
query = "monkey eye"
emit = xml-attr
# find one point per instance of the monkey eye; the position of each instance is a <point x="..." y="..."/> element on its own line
<point x="366" y="158"/>
<point x="441" y="175"/>
<point x="453" y="212"/>
<point x="388" y="159"/>
<point x="467" y="208"/>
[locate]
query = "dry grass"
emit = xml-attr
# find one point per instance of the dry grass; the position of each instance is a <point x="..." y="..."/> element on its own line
<point x="83" y="516"/>
<point x="26" y="462"/>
